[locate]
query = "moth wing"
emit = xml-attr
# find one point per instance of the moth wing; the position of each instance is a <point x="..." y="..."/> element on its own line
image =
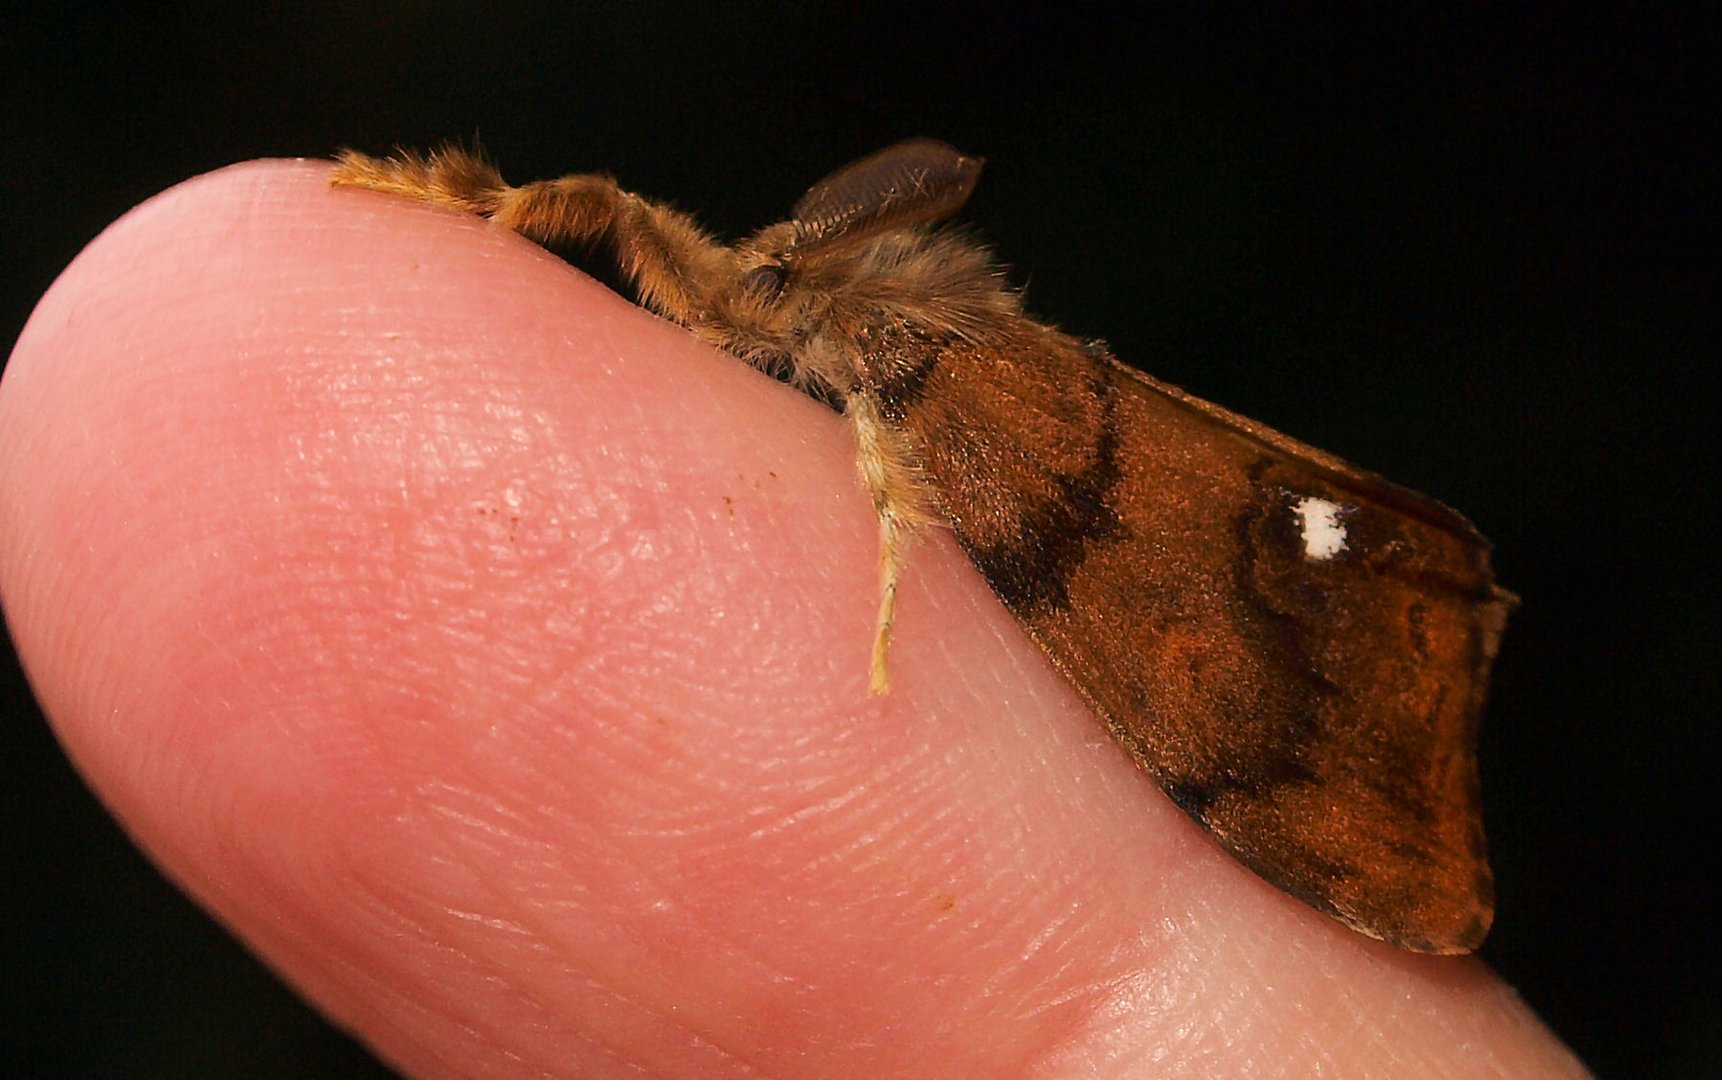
<point x="1295" y="649"/>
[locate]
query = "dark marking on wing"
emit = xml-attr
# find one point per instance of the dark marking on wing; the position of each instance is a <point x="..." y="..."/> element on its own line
<point x="899" y="360"/>
<point x="1031" y="571"/>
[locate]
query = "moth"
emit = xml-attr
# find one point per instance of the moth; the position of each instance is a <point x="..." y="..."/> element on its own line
<point x="1295" y="649"/>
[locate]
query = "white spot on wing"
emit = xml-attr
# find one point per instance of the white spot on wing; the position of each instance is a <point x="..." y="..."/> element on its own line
<point x="1323" y="527"/>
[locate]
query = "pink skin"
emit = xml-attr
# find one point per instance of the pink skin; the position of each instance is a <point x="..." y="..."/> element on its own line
<point x="492" y="658"/>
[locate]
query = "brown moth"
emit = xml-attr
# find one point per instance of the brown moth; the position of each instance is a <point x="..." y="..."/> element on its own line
<point x="1294" y="648"/>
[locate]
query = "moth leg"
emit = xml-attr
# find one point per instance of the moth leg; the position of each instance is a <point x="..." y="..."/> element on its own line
<point x="899" y="499"/>
<point x="449" y="177"/>
<point x="669" y="259"/>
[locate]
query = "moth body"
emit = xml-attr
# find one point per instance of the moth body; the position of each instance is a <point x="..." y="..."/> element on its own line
<point x="1295" y="649"/>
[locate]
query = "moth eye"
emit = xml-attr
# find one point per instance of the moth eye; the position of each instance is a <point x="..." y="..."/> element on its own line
<point x="764" y="281"/>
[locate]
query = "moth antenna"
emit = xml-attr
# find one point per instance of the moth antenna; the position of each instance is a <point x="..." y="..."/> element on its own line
<point x="912" y="183"/>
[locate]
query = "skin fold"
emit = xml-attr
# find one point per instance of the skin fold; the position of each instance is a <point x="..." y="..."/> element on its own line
<point x="492" y="658"/>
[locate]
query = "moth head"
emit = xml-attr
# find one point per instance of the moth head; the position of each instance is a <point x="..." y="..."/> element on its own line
<point x="901" y="189"/>
<point x="857" y="222"/>
<point x="858" y="249"/>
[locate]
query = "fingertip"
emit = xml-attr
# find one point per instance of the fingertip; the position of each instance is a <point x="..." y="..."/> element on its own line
<point x="494" y="658"/>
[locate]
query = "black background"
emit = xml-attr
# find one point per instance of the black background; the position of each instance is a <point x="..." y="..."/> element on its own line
<point x="1462" y="249"/>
